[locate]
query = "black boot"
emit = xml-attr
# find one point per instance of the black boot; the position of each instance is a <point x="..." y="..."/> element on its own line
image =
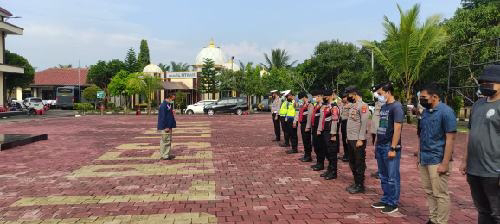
<point x="306" y="158"/>
<point x="350" y="187"/>
<point x="319" y="167"/>
<point x="345" y="158"/>
<point x="359" y="188"/>
<point x="315" y="165"/>
<point x="332" y="175"/>
<point x="326" y="173"/>
<point x="292" y="151"/>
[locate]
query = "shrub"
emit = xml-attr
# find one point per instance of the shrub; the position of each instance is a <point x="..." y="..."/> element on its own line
<point x="110" y="106"/>
<point x="83" y="107"/>
<point x="457" y="102"/>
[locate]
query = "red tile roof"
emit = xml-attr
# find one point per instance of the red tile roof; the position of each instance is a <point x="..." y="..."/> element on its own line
<point x="60" y="77"/>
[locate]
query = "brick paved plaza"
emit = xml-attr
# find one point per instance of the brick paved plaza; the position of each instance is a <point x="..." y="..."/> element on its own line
<point x="97" y="169"/>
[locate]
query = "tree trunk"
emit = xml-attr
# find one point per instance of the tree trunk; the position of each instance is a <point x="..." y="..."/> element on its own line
<point x="408" y="102"/>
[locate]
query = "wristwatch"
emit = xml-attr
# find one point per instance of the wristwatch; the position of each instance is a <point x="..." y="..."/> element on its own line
<point x="395" y="149"/>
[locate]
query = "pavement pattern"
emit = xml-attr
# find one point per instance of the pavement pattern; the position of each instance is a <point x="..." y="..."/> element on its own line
<point x="105" y="169"/>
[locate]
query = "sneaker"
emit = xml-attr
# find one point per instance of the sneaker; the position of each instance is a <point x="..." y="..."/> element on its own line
<point x="389" y="209"/>
<point x="170" y="157"/>
<point x="379" y="205"/>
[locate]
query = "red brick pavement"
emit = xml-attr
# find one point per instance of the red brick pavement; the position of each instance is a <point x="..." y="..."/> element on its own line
<point x="256" y="182"/>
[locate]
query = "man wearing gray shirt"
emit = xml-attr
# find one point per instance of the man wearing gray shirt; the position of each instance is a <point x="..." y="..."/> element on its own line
<point x="481" y="161"/>
<point x="275" y="108"/>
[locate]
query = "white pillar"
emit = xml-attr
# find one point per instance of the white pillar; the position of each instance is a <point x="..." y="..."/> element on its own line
<point x="19" y="93"/>
<point x="2" y="103"/>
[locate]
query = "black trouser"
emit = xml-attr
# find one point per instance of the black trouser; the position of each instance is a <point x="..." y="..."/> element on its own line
<point x="345" y="145"/>
<point x="320" y="154"/>
<point x="306" y="140"/>
<point x="276" y="122"/>
<point x="285" y="131"/>
<point x="331" y="150"/>
<point x="357" y="161"/>
<point x="485" y="192"/>
<point x="292" y="133"/>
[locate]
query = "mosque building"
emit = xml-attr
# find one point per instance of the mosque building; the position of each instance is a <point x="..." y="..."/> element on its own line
<point x="188" y="81"/>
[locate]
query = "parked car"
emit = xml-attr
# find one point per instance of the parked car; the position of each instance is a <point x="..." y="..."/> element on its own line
<point x="227" y="105"/>
<point x="264" y="105"/>
<point x="33" y="105"/>
<point x="197" y="108"/>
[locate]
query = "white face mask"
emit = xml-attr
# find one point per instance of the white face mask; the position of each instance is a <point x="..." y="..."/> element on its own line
<point x="382" y="99"/>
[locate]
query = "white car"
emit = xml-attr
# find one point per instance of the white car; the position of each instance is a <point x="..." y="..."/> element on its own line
<point x="197" y="108"/>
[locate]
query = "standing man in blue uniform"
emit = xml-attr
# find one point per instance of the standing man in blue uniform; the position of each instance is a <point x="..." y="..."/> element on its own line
<point x="166" y="123"/>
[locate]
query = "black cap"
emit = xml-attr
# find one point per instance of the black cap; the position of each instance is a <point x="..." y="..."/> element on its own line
<point x="490" y="74"/>
<point x="302" y="95"/>
<point x="316" y="92"/>
<point x="327" y="92"/>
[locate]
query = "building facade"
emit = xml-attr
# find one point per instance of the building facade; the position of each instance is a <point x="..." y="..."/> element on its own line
<point x="6" y="29"/>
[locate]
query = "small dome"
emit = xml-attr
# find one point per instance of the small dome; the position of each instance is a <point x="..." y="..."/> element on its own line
<point x="211" y="52"/>
<point x="152" y="69"/>
<point x="232" y="65"/>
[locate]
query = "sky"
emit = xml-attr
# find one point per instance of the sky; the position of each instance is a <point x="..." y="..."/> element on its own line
<point x="72" y="31"/>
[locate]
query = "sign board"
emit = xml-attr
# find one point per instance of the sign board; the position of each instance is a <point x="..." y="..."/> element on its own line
<point x="101" y="94"/>
<point x="181" y="75"/>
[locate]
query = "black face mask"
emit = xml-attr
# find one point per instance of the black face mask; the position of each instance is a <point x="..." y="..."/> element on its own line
<point x="425" y="103"/>
<point x="351" y="99"/>
<point x="325" y="99"/>
<point x="487" y="89"/>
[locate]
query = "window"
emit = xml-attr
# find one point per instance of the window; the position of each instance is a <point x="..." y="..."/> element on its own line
<point x="223" y="102"/>
<point x="36" y="100"/>
<point x="232" y="101"/>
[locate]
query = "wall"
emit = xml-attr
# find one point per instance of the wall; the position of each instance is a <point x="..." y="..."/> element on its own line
<point x="187" y="82"/>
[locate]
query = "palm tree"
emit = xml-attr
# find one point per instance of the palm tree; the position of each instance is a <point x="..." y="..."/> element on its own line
<point x="408" y="46"/>
<point x="164" y="67"/>
<point x="279" y="59"/>
<point x="178" y="66"/>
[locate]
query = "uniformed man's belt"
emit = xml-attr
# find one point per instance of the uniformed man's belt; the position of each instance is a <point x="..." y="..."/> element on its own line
<point x="328" y="119"/>
<point x="318" y="114"/>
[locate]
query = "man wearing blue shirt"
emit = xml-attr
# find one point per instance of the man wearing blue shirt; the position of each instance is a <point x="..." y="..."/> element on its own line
<point x="388" y="148"/>
<point x="166" y="122"/>
<point x="438" y="127"/>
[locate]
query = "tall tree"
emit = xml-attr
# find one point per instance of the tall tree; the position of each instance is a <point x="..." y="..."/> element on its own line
<point x="408" y="46"/>
<point x="99" y="74"/>
<point x="13" y="80"/>
<point x="143" y="58"/>
<point x="131" y="64"/>
<point x="279" y="59"/>
<point x="208" y="79"/>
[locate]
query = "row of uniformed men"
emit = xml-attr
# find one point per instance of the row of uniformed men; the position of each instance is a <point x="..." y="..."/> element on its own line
<point x="320" y="121"/>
